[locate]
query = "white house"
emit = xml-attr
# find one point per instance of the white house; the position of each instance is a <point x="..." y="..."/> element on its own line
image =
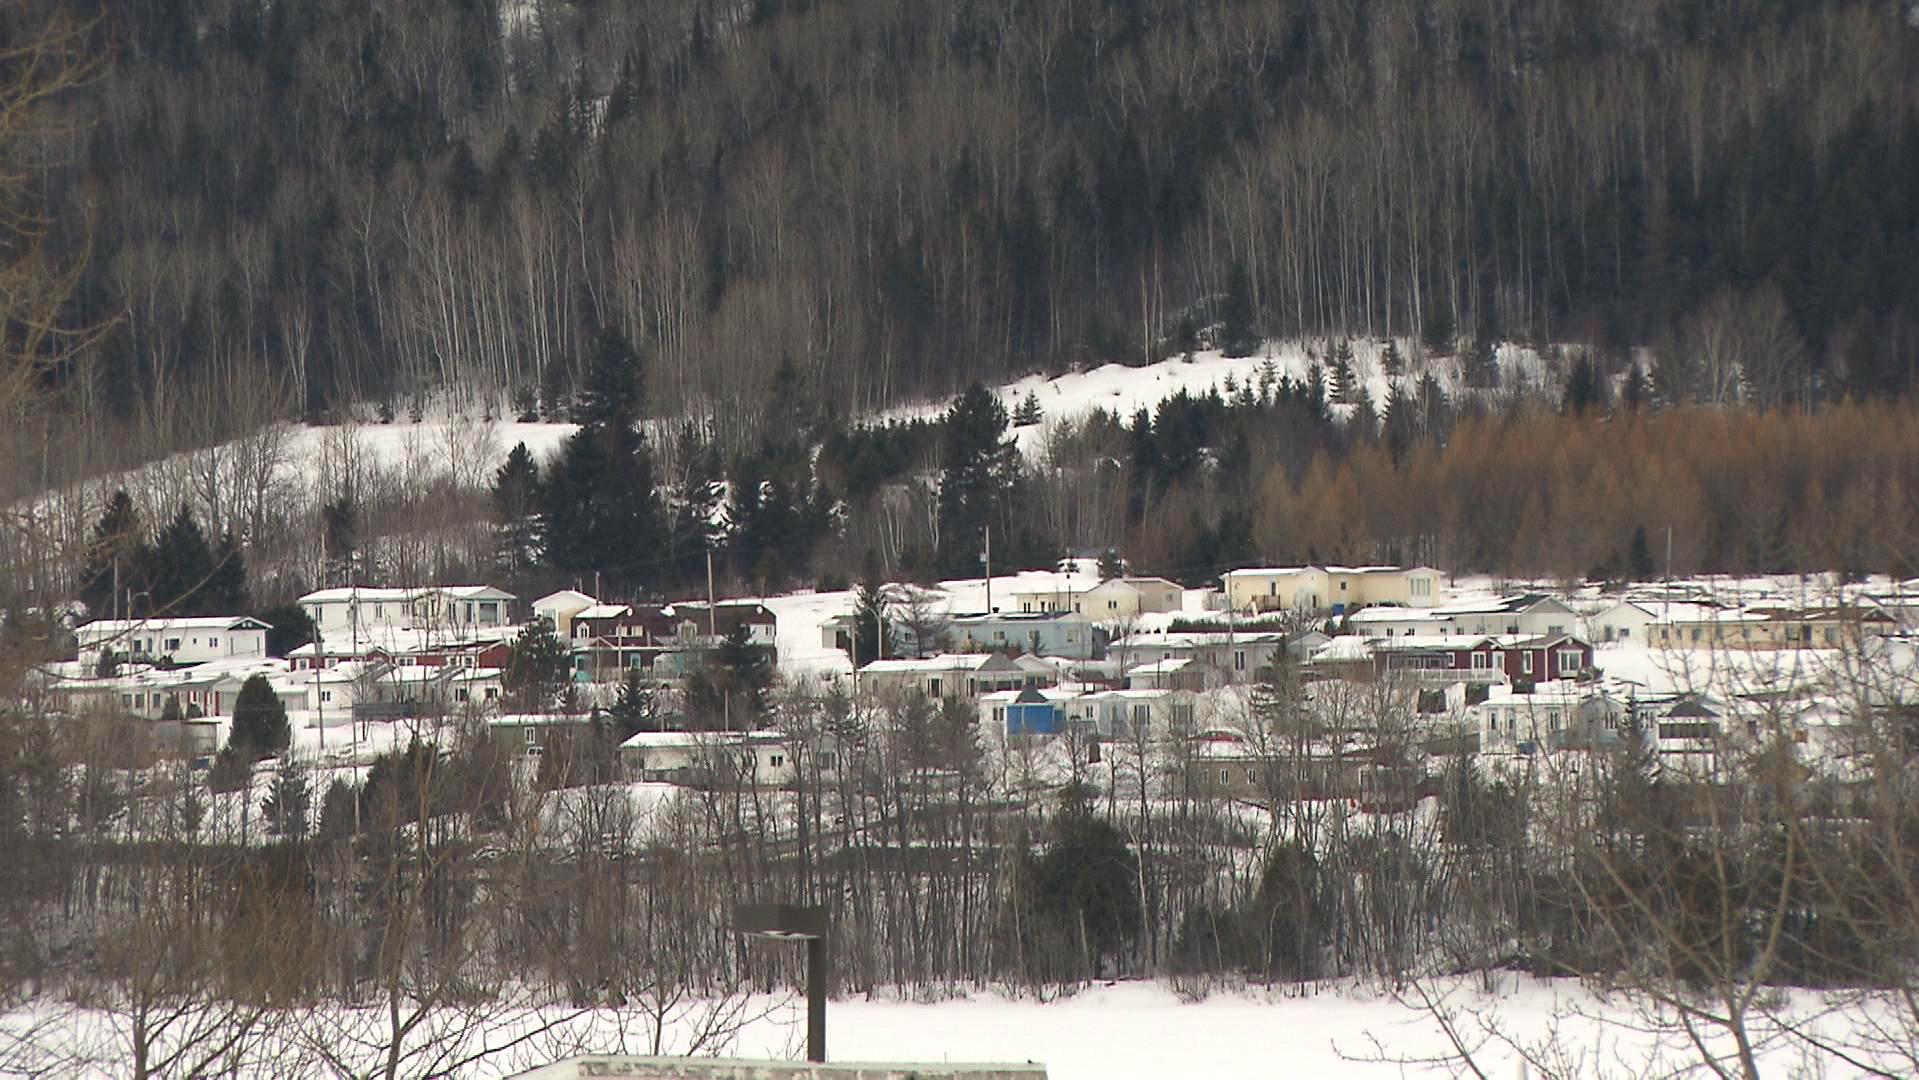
<point x="1561" y="714"/>
<point x="357" y="608"/>
<point x="196" y="640"/>
<point x="1623" y="621"/>
<point x="1337" y="589"/>
<point x="559" y="608"/>
<point x="952" y="675"/>
<point x="1531" y="614"/>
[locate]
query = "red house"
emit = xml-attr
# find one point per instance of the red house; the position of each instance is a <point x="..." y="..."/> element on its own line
<point x="1505" y="658"/>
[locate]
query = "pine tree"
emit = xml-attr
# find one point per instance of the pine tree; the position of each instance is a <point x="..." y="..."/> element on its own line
<point x="978" y="467"/>
<point x="538" y="667"/>
<point x="1584" y="392"/>
<point x="336" y="811"/>
<point x="1110" y="565"/>
<point x="699" y="501"/>
<point x="260" y="728"/>
<point x="114" y="554"/>
<point x="614" y="394"/>
<point x="1238" y="335"/>
<point x="1482" y="365"/>
<point x="1639" y="556"/>
<point x="1438" y="331"/>
<point x="1028" y="412"/>
<point x="180" y="568"/>
<point x="516" y="494"/>
<point x="288" y="627"/>
<point x="1638" y="389"/>
<point x="1391" y="364"/>
<point x="872" y="633"/>
<point x="635" y="709"/>
<point x="340" y="531"/>
<point x="289" y="800"/>
<point x="227" y="592"/>
<point x="1342" y="383"/>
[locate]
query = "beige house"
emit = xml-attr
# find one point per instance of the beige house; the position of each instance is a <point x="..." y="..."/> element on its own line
<point x="1697" y="626"/>
<point x="1334" y="589"/>
<point x="1121" y="598"/>
<point x="753" y="758"/>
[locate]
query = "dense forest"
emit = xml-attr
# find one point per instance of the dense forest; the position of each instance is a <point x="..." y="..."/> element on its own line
<point x="367" y="200"/>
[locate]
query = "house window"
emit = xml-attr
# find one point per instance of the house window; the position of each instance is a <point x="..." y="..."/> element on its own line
<point x="379" y="611"/>
<point x="326" y="695"/>
<point x="1225" y="775"/>
<point x="933" y="687"/>
<point x="1552" y="718"/>
<point x="1555" y="628"/>
<point x="1422" y="587"/>
<point x="1239" y="660"/>
<point x="1481" y="661"/>
<point x="492" y="692"/>
<point x="1832" y="635"/>
<point x="1569" y="660"/>
<point x="776" y="761"/>
<point x="1252" y="775"/>
<point x="460" y="694"/>
<point x="173" y="644"/>
<point x="1625" y="632"/>
<point x="1526" y="662"/>
<point x="213" y="643"/>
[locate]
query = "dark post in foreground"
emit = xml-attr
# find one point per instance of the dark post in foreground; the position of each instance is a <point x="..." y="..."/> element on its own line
<point x="792" y="922"/>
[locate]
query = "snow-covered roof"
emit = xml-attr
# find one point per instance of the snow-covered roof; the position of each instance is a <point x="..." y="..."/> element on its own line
<point x="388" y="594"/>
<point x="942" y="662"/>
<point x="1345" y="649"/>
<point x="111" y="627"/>
<point x="565" y="596"/>
<point x="676" y="740"/>
<point x="602" y="611"/>
<point x="1388" y="614"/>
<point x="1160" y="667"/>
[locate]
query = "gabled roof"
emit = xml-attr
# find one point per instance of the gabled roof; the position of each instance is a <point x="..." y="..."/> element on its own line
<point x="162" y="625"/>
<point x="565" y="596"/>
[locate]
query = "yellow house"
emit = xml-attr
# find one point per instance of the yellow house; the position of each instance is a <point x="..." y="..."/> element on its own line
<point x="1332" y="589"/>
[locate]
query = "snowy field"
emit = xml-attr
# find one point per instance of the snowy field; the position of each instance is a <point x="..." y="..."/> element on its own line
<point x="1141" y="1031"/>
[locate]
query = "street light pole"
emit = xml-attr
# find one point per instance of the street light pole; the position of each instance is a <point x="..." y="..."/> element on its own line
<point x="792" y="922"/>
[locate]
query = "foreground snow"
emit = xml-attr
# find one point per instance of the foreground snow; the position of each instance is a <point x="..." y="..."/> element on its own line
<point x="1140" y="1030"/>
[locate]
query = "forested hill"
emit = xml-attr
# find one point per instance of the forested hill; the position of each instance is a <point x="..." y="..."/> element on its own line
<point x="372" y="198"/>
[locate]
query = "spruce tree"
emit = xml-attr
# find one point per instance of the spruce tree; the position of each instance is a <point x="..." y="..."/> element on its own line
<point x="516" y="490"/>
<point x="289" y="800"/>
<point x="1110" y="565"/>
<point x="1438" y="331"/>
<point x="699" y="503"/>
<point x="1028" y="412"/>
<point x="538" y="668"/>
<point x="978" y="466"/>
<point x="1391" y="364"/>
<point x="1238" y="336"/>
<point x="114" y="554"/>
<point x="227" y="592"/>
<point x="336" y="811"/>
<point x="1584" y="391"/>
<point x="1639" y="556"/>
<point x="1342" y="383"/>
<point x="288" y="627"/>
<point x="635" y="709"/>
<point x="180" y="568"/>
<point x="872" y="636"/>
<point x="260" y="728"/>
<point x="614" y="394"/>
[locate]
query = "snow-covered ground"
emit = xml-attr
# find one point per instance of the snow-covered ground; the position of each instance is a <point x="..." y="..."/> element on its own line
<point x="1143" y="1031"/>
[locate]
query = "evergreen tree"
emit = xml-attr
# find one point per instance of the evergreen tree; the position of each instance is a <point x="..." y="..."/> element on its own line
<point x="978" y="467"/>
<point x="731" y="688"/>
<point x="1028" y="412"/>
<point x="1110" y="565"/>
<point x="614" y="394"/>
<point x="1391" y="364"/>
<point x="179" y="568"/>
<point x="1341" y="383"/>
<point x="1482" y="365"/>
<point x="1438" y="331"/>
<point x="1639" y="556"/>
<point x="340" y="532"/>
<point x="336" y="811"/>
<point x="538" y="668"/>
<point x="872" y="633"/>
<point x="1638" y="389"/>
<point x="1584" y="391"/>
<point x="288" y="627"/>
<point x="1087" y="882"/>
<point x="232" y="770"/>
<point x="289" y="800"/>
<point x="1435" y="411"/>
<point x="1238" y="334"/>
<point x="1316" y="392"/>
<point x="260" y="728"/>
<point x="516" y="492"/>
<point x="227" y="592"/>
<point x="114" y="554"/>
<point x="699" y="501"/>
<point x="635" y="709"/>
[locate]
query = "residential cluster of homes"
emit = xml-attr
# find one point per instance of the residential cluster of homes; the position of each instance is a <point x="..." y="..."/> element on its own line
<point x="1126" y="658"/>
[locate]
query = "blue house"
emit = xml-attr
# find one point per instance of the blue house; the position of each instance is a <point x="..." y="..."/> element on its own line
<point x="1031" y="714"/>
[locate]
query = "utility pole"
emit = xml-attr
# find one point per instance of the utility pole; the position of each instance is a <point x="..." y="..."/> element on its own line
<point x="989" y="569"/>
<point x="712" y="605"/>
